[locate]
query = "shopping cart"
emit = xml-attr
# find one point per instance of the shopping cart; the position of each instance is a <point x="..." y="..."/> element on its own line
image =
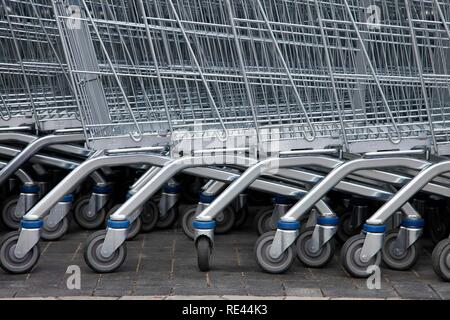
<point x="37" y="96"/>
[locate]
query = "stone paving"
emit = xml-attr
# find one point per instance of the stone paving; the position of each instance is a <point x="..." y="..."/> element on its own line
<point x="162" y="265"/>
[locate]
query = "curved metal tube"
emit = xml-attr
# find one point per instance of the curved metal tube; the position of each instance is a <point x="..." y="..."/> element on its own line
<point x="81" y="172"/>
<point x="32" y="148"/>
<point x="408" y="191"/>
<point x="52" y="161"/>
<point x="268" y="165"/>
<point x="64" y="148"/>
<point x="167" y="172"/>
<point x="335" y="176"/>
<point x="20" y="174"/>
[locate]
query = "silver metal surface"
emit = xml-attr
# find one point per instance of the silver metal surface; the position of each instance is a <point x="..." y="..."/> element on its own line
<point x="113" y="240"/>
<point x="321" y="235"/>
<point x="406" y="238"/>
<point x="28" y="238"/>
<point x="32" y="148"/>
<point x="372" y="245"/>
<point x="209" y="233"/>
<point x="57" y="213"/>
<point x="283" y="240"/>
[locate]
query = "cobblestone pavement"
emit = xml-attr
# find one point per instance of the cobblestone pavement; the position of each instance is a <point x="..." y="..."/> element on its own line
<point x="162" y="265"/>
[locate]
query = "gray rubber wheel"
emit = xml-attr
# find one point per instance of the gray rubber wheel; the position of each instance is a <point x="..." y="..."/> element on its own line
<point x="345" y="229"/>
<point x="313" y="260"/>
<point x="187" y="219"/>
<point x="350" y="257"/>
<point x="204" y="253"/>
<point x="396" y="261"/>
<point x="80" y="214"/>
<point x="265" y="261"/>
<point x="10" y="220"/>
<point x="168" y="219"/>
<point x="440" y="259"/>
<point x="263" y="221"/>
<point x="55" y="232"/>
<point x="225" y="221"/>
<point x="133" y="229"/>
<point x="149" y="216"/>
<point x="9" y="262"/>
<point x="94" y="258"/>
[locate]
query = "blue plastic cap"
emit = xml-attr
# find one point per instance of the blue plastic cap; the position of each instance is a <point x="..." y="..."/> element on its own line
<point x="203" y="225"/>
<point x="172" y="188"/>
<point x="328" y="221"/>
<point x="283" y="225"/>
<point x="101" y="189"/>
<point x="122" y="224"/>
<point x="413" y="223"/>
<point x="31" y="224"/>
<point x="29" y="188"/>
<point x="374" y="228"/>
<point x="207" y="198"/>
<point x="283" y="200"/>
<point x="67" y="198"/>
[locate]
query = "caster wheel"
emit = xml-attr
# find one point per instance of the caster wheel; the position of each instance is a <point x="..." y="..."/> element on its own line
<point x="187" y="219"/>
<point x="241" y="217"/>
<point x="56" y="232"/>
<point x="263" y="221"/>
<point x="96" y="261"/>
<point x="81" y="217"/>
<point x="310" y="259"/>
<point x="440" y="259"/>
<point x="225" y="221"/>
<point x="393" y="259"/>
<point x="168" y="219"/>
<point x="350" y="257"/>
<point x="265" y="261"/>
<point x="204" y="253"/>
<point x="134" y="228"/>
<point x="8" y="260"/>
<point x="149" y="216"/>
<point x="9" y="218"/>
<point x="346" y="229"/>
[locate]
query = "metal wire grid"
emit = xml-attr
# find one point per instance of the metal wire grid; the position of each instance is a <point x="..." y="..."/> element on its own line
<point x="34" y="86"/>
<point x="310" y="71"/>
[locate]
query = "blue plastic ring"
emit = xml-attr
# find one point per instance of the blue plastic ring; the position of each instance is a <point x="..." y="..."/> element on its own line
<point x="207" y="198"/>
<point x="283" y="200"/>
<point x="374" y="228"/>
<point x="328" y="221"/>
<point x="413" y="223"/>
<point x="29" y="189"/>
<point x="122" y="224"/>
<point x="283" y="225"/>
<point x="31" y="224"/>
<point x="102" y="189"/>
<point x="172" y="189"/>
<point x="67" y="198"/>
<point x="202" y="225"/>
